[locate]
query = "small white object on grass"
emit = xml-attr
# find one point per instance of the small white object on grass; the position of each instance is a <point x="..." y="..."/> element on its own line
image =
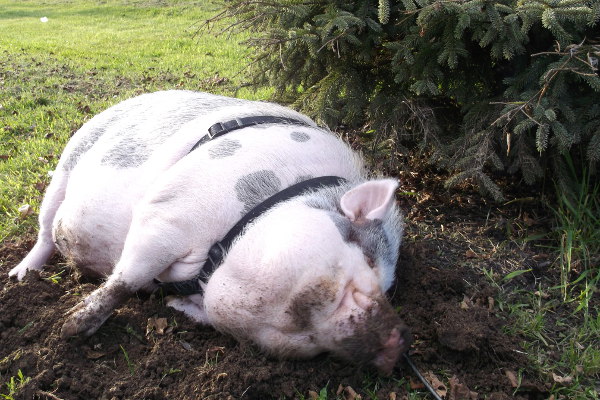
<point x="44" y="19"/>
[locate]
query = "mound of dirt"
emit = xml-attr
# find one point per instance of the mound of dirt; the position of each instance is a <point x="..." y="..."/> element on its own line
<point x="149" y="351"/>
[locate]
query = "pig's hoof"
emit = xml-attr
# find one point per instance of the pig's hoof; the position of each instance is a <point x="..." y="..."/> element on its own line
<point x="18" y="272"/>
<point x="81" y="321"/>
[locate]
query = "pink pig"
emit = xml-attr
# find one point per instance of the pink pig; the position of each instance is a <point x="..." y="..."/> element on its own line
<point x="134" y="200"/>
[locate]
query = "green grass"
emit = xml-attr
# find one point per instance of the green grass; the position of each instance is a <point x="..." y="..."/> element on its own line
<point x="14" y="385"/>
<point x="90" y="55"/>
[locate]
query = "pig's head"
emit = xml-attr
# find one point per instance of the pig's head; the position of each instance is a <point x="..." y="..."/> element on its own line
<point x="310" y="276"/>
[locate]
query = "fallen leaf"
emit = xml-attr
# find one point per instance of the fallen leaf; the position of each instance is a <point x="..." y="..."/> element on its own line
<point x="214" y="351"/>
<point x="460" y="391"/>
<point x="185" y="345"/>
<point x="470" y="254"/>
<point x="161" y="325"/>
<point x="350" y="394"/>
<point x="466" y="303"/>
<point x="4" y="156"/>
<point x="313" y="395"/>
<point x="562" y="379"/>
<point x="416" y="385"/>
<point x="392" y="396"/>
<point x="491" y="303"/>
<point x="25" y="210"/>
<point x="437" y="385"/>
<point x="94" y="355"/>
<point x="340" y="389"/>
<point x="40" y="186"/>
<point x="156" y="324"/>
<point x="512" y="377"/>
<point x="528" y="220"/>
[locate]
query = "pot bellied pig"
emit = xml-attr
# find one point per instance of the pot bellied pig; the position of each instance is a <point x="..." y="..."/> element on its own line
<point x="144" y="189"/>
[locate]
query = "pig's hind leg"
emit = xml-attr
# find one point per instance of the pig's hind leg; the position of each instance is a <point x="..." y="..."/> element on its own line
<point x="151" y="246"/>
<point x="44" y="247"/>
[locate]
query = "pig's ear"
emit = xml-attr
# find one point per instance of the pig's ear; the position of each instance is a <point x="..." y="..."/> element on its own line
<point x="369" y="200"/>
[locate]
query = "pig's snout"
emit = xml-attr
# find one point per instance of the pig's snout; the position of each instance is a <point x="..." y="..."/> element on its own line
<point x="379" y="336"/>
<point x="396" y="343"/>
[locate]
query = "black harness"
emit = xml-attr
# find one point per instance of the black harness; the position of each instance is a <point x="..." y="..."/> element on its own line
<point x="217" y="252"/>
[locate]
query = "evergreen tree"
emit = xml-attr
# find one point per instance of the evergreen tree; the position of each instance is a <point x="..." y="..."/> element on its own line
<point x="501" y="84"/>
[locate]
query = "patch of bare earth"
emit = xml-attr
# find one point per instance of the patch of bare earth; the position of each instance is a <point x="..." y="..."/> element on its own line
<point x="441" y="293"/>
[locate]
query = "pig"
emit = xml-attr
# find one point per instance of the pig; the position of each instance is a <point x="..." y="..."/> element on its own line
<point x="135" y="200"/>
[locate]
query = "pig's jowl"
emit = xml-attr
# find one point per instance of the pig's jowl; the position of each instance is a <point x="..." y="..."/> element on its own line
<point x="131" y="202"/>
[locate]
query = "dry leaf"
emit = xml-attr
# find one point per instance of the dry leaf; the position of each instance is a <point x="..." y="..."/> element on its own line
<point x="392" y="396"/>
<point x="156" y="324"/>
<point x="466" y="303"/>
<point x="437" y="385"/>
<point x="528" y="220"/>
<point x="25" y="210"/>
<point x="214" y="351"/>
<point x="416" y="385"/>
<point x="491" y="303"/>
<point x="312" y="394"/>
<point x="470" y="254"/>
<point x="460" y="391"/>
<point x="185" y="345"/>
<point x="40" y="186"/>
<point x="562" y="379"/>
<point x="161" y="325"/>
<point x="512" y="377"/>
<point x="350" y="394"/>
<point x="339" y="390"/>
<point x="94" y="355"/>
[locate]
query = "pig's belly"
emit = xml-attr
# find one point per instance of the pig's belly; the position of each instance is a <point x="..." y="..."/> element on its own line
<point x="93" y="220"/>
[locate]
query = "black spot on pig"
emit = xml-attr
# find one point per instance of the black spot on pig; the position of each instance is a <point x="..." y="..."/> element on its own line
<point x="311" y="299"/>
<point x="225" y="148"/>
<point x="126" y="154"/>
<point x="255" y="187"/>
<point x="300" y="136"/>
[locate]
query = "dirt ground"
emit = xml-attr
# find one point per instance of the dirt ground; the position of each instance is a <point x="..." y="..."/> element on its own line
<point x="441" y="292"/>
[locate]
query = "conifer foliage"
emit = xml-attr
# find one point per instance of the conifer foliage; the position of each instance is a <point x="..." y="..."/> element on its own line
<point x="485" y="84"/>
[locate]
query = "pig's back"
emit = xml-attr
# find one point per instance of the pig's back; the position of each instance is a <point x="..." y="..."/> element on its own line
<point x="129" y="132"/>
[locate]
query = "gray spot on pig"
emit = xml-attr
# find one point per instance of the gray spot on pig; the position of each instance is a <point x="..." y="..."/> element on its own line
<point x="379" y="240"/>
<point x="225" y="148"/>
<point x="370" y="236"/>
<point x="300" y="136"/>
<point x="253" y="188"/>
<point x="83" y="146"/>
<point x="126" y="154"/>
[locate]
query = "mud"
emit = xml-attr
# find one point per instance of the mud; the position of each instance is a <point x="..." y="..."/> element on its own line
<point x="441" y="294"/>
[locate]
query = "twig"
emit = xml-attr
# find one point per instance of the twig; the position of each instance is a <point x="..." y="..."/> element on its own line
<point x="48" y="394"/>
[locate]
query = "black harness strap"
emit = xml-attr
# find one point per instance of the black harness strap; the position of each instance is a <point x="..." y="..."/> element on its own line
<point x="221" y="128"/>
<point x="218" y="250"/>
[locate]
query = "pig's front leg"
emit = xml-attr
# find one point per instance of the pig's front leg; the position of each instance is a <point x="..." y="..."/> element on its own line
<point x="150" y="248"/>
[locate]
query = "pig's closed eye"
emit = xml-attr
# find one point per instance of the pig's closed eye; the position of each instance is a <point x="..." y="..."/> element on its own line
<point x="370" y="261"/>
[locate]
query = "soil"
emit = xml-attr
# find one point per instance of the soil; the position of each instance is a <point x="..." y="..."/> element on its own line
<point x="461" y="340"/>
